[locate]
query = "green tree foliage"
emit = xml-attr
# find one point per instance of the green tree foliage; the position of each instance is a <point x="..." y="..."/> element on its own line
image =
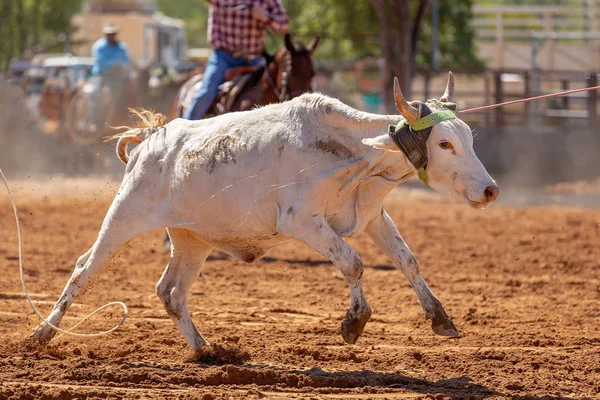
<point x="195" y="15"/>
<point x="457" y="49"/>
<point x="26" y="25"/>
<point x="350" y="29"/>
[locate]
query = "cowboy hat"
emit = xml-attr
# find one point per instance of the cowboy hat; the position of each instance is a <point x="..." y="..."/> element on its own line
<point x="110" y="29"/>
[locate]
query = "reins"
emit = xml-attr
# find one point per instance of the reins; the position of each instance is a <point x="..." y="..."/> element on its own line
<point x="285" y="75"/>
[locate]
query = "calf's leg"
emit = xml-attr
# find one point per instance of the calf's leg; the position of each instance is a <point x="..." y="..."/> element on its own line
<point x="318" y="235"/>
<point x="187" y="257"/>
<point x="122" y="222"/>
<point x="384" y="233"/>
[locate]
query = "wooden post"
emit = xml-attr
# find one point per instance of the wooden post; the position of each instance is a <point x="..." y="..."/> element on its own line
<point x="564" y="86"/>
<point x="498" y="97"/>
<point x="527" y="90"/>
<point x="426" y="84"/>
<point x="592" y="99"/>
<point x="486" y="91"/>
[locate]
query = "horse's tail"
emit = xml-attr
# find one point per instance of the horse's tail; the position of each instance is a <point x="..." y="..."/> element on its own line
<point x="147" y="122"/>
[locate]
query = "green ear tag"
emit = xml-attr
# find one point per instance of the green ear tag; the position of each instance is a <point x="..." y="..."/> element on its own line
<point x="423" y="176"/>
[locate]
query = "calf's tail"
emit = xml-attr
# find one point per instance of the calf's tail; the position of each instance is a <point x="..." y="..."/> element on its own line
<point x="147" y="122"/>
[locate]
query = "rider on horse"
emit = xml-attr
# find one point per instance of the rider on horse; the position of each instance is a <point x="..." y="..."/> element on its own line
<point x="112" y="66"/>
<point x="109" y="51"/>
<point x="236" y="29"/>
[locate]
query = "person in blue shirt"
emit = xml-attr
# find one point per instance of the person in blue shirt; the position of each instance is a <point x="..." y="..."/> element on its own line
<point x="112" y="67"/>
<point x="109" y="51"/>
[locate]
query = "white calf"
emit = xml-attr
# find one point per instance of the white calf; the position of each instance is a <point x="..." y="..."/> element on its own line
<point x="311" y="169"/>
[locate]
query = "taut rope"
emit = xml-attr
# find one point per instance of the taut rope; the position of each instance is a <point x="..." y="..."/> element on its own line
<point x="545" y="96"/>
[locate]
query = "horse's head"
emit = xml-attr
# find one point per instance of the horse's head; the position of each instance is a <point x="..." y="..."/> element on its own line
<point x="295" y="68"/>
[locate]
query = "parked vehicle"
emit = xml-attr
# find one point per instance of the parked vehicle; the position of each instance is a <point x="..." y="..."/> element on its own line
<point x="64" y="76"/>
<point x="16" y="72"/>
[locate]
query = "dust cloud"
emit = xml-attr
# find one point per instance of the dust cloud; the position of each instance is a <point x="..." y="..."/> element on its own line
<point x="27" y="151"/>
<point x="533" y="164"/>
<point x="543" y="164"/>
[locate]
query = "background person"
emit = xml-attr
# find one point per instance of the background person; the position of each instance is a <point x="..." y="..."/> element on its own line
<point x="237" y="31"/>
<point x="109" y="51"/>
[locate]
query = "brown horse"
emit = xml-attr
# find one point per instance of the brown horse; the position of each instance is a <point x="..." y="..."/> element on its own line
<point x="286" y="75"/>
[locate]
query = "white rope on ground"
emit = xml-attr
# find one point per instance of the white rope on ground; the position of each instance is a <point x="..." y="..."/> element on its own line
<point x="56" y="328"/>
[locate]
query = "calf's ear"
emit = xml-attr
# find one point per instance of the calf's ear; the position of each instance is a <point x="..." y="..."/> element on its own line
<point x="383" y="142"/>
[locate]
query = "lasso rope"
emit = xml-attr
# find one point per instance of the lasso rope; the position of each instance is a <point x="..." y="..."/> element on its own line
<point x="56" y="328"/>
<point x="545" y="96"/>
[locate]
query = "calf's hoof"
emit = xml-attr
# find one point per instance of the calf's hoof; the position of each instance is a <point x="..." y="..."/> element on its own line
<point x="442" y="324"/>
<point x="353" y="326"/>
<point x="43" y="333"/>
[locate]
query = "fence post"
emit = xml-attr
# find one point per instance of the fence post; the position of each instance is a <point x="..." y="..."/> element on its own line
<point x="498" y="97"/>
<point x="526" y="90"/>
<point x="487" y="100"/>
<point x="592" y="80"/>
<point x="564" y="86"/>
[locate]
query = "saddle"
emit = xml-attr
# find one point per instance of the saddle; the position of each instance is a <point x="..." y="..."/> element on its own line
<point x="238" y="79"/>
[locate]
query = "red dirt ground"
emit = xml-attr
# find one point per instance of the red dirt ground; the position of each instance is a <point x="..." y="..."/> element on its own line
<point x="522" y="285"/>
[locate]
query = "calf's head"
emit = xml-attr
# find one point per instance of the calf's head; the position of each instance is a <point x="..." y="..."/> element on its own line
<point x="440" y="146"/>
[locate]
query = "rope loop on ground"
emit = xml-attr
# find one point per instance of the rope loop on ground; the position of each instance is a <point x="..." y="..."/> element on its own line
<point x="28" y="297"/>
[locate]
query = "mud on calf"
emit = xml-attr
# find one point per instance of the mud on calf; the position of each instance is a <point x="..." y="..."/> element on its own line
<point x="359" y="312"/>
<point x="384" y="233"/>
<point x="186" y="261"/>
<point x="43" y="333"/>
<point x="441" y="322"/>
<point x="317" y="234"/>
<point x="357" y="317"/>
<point x="166" y="294"/>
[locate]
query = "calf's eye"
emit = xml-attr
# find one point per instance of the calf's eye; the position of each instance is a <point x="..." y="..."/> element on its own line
<point x="446" y="145"/>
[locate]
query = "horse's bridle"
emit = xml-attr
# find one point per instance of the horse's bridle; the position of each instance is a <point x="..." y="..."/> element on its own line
<point x="282" y="95"/>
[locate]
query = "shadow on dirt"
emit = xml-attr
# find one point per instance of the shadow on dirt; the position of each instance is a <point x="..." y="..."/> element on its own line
<point x="455" y="388"/>
<point x="213" y="367"/>
<point x="316" y="263"/>
<point x="461" y="387"/>
<point x="306" y="262"/>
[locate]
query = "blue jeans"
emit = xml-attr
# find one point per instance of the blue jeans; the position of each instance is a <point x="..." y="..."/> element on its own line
<point x="213" y="77"/>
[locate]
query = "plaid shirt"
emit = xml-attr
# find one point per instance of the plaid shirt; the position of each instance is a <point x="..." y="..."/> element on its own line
<point x="231" y="28"/>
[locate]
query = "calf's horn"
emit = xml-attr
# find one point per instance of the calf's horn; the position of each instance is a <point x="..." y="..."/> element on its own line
<point x="404" y="108"/>
<point x="449" y="93"/>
